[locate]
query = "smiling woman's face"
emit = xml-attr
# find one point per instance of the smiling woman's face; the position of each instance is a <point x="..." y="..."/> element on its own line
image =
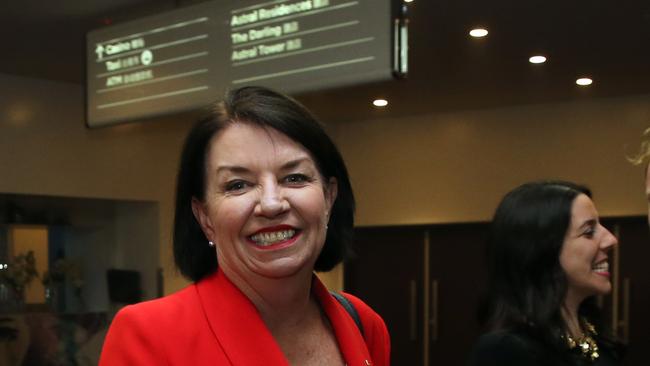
<point x="584" y="252"/>
<point x="266" y="204"/>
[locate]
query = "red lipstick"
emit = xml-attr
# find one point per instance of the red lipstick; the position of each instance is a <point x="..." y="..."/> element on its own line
<point x="271" y="229"/>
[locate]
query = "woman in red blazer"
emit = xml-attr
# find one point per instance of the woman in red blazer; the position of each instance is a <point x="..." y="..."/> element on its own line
<point x="263" y="200"/>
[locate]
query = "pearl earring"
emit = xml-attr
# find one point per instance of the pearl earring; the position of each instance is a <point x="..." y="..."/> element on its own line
<point x="210" y="243"/>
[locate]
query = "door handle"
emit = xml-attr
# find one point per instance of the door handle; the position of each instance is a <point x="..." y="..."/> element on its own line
<point x="625" y="322"/>
<point x="434" y="321"/>
<point x="413" y="307"/>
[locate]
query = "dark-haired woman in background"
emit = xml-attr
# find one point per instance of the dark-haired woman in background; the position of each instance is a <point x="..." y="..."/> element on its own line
<point x="547" y="259"/>
<point x="263" y="200"/>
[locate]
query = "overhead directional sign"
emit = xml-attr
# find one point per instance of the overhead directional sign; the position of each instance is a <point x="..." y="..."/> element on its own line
<point x="186" y="58"/>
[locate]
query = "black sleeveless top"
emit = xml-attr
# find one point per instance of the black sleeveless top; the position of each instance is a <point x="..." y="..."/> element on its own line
<point x="507" y="348"/>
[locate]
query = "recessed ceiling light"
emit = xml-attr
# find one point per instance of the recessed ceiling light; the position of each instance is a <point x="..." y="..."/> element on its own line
<point x="537" y="59"/>
<point x="584" y="81"/>
<point x="478" y="32"/>
<point x="408" y="1"/>
<point x="380" y="102"/>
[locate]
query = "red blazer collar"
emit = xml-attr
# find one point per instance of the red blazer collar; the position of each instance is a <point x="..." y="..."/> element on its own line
<point x="246" y="340"/>
<point x="351" y="342"/>
<point x="237" y="324"/>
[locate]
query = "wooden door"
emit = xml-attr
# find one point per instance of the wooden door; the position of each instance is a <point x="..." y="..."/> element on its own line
<point x="387" y="275"/>
<point x="457" y="279"/>
<point x="627" y="309"/>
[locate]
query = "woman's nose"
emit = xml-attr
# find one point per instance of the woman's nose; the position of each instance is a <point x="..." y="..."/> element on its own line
<point x="609" y="240"/>
<point x="271" y="202"/>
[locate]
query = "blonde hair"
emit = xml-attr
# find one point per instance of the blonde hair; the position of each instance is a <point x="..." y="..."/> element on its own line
<point x="643" y="156"/>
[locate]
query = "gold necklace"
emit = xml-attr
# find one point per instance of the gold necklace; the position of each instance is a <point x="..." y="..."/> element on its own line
<point x="586" y="344"/>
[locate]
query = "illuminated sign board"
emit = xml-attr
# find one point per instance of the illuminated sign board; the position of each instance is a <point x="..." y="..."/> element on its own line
<point x="186" y="58"/>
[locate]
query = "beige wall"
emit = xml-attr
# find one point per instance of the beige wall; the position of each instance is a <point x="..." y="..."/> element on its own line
<point x="46" y="149"/>
<point x="420" y="169"/>
<point x="455" y="167"/>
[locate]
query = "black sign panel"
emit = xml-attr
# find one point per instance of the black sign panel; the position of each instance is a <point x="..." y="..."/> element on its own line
<point x="186" y="58"/>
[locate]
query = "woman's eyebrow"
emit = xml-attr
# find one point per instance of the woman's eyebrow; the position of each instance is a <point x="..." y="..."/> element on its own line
<point x="294" y="163"/>
<point x="232" y="169"/>
<point x="243" y="170"/>
<point x="590" y="222"/>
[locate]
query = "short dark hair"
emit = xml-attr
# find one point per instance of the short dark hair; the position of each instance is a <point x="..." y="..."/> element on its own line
<point x="526" y="283"/>
<point x="269" y="109"/>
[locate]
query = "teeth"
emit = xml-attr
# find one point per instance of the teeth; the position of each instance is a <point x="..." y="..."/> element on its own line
<point x="269" y="238"/>
<point x="601" y="267"/>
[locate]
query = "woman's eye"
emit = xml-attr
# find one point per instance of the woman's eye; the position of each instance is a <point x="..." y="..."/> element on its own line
<point x="296" y="179"/>
<point x="237" y="185"/>
<point x="589" y="233"/>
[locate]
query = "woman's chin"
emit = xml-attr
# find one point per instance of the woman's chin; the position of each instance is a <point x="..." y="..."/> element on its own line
<point x="605" y="290"/>
<point x="602" y="289"/>
<point x="282" y="268"/>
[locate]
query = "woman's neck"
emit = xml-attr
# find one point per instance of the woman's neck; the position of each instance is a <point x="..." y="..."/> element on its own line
<point x="292" y="314"/>
<point x="282" y="302"/>
<point x="572" y="320"/>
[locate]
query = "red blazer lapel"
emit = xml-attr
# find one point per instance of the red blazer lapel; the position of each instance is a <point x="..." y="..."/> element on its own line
<point x="237" y="325"/>
<point x="246" y="340"/>
<point x="351" y="342"/>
